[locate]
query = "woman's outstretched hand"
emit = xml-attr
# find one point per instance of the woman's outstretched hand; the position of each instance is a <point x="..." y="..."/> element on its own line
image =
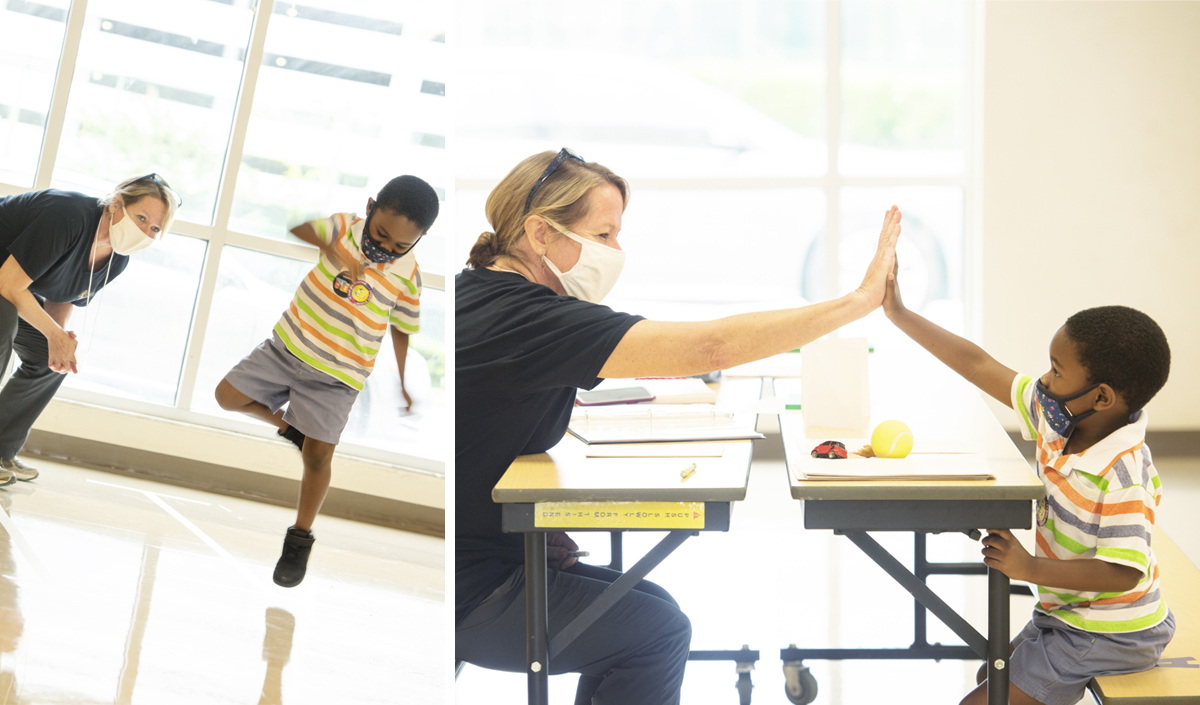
<point x="884" y="262"/>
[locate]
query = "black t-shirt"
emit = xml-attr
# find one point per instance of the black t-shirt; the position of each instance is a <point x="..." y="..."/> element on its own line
<point x="50" y="233"/>
<point x="521" y="352"/>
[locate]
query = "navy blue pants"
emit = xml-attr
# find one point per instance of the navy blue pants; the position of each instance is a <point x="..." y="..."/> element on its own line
<point x="634" y="654"/>
<point x="32" y="385"/>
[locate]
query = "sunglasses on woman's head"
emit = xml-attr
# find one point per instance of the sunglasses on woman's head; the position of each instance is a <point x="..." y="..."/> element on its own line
<point x="563" y="155"/>
<point x="161" y="182"/>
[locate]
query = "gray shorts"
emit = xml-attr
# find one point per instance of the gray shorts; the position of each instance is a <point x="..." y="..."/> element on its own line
<point x="317" y="404"/>
<point x="1053" y="662"/>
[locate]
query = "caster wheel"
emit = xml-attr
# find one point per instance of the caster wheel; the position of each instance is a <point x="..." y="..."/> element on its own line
<point x="744" y="688"/>
<point x="799" y="683"/>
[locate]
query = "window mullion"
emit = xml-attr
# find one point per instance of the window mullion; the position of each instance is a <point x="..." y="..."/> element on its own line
<point x="973" y="189"/>
<point x="57" y="114"/>
<point x="233" y="160"/>
<point x="833" y="112"/>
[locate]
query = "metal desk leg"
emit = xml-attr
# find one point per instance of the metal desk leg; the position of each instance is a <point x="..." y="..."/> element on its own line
<point x="997" y="671"/>
<point x="537" y="637"/>
<point x="616" y="545"/>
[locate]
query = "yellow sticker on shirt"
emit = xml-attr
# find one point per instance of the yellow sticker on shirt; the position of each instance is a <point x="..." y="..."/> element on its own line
<point x="619" y="515"/>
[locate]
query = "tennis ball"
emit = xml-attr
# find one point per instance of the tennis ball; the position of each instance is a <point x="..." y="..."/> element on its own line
<point x="892" y="439"/>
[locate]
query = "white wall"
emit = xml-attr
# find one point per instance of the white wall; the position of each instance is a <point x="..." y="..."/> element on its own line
<point x="1091" y="190"/>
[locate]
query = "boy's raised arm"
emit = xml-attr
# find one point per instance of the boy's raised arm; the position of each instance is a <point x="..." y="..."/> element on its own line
<point x="959" y="354"/>
<point x="306" y="233"/>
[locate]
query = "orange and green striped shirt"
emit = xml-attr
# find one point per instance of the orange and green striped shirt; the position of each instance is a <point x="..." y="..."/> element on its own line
<point x="334" y="335"/>
<point x="1100" y="504"/>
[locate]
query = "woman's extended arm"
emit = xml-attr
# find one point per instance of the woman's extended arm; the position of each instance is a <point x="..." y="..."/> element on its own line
<point x="663" y="349"/>
<point x="14" y="286"/>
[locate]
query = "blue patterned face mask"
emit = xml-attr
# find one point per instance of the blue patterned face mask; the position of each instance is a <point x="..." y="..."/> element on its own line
<point x="374" y="252"/>
<point x="1054" y="409"/>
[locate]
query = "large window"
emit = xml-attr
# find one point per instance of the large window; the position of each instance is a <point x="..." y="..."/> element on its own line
<point x="763" y="139"/>
<point x="262" y="114"/>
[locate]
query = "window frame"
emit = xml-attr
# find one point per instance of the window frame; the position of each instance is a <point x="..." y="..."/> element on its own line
<point x="833" y="182"/>
<point x="218" y="235"/>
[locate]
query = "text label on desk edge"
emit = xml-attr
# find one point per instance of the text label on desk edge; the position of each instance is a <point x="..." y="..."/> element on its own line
<point x="619" y="515"/>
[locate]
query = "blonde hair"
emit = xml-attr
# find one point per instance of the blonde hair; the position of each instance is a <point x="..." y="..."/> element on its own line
<point x="135" y="189"/>
<point x="561" y="200"/>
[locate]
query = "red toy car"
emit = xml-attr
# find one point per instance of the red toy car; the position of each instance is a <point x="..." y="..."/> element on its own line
<point x="830" y="449"/>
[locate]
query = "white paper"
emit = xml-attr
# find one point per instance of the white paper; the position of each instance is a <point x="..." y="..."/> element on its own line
<point x="834" y="391"/>
<point x="947" y="467"/>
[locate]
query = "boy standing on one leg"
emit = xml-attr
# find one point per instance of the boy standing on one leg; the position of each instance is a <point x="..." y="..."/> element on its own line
<point x="366" y="283"/>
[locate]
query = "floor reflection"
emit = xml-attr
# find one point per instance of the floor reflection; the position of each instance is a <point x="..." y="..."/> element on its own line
<point x="137" y="625"/>
<point x="277" y="650"/>
<point x="12" y="624"/>
<point x="115" y="590"/>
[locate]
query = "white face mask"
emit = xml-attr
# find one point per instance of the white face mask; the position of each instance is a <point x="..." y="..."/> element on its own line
<point x="126" y="237"/>
<point x="594" y="275"/>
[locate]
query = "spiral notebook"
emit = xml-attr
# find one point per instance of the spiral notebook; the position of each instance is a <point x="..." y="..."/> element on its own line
<point x="658" y="423"/>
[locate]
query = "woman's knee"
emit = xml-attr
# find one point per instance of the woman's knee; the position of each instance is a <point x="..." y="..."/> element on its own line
<point x="680" y="627"/>
<point x="656" y="590"/>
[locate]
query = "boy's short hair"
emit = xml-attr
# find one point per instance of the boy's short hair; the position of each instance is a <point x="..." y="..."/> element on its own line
<point x="410" y="197"/>
<point x="1124" y="348"/>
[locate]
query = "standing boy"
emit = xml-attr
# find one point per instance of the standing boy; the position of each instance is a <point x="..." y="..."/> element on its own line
<point x="321" y="352"/>
<point x="1099" y="608"/>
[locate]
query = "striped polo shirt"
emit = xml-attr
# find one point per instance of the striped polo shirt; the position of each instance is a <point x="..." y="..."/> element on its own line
<point x="1099" y="504"/>
<point x="334" y="335"/>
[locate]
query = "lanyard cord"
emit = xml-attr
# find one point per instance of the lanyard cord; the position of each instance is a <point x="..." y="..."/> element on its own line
<point x="88" y="297"/>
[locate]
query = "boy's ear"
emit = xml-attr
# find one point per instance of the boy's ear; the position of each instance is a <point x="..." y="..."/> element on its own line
<point x="370" y="203"/>
<point x="1106" y="398"/>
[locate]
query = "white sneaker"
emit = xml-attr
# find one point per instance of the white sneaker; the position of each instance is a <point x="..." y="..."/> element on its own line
<point x="18" y="469"/>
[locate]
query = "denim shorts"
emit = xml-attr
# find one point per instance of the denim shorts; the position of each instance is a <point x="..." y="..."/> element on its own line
<point x="1053" y="661"/>
<point x="317" y="404"/>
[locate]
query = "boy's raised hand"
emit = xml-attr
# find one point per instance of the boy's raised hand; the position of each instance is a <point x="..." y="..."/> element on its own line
<point x="884" y="261"/>
<point x="353" y="268"/>
<point x="893" y="305"/>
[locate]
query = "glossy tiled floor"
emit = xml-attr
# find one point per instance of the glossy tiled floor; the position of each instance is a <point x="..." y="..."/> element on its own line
<point x="768" y="583"/>
<point x="119" y="590"/>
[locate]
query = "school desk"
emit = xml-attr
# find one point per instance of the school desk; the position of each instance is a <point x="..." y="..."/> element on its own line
<point x="563" y="490"/>
<point x="947" y="416"/>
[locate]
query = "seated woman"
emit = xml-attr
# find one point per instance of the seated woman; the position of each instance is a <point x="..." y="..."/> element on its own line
<point x="529" y="332"/>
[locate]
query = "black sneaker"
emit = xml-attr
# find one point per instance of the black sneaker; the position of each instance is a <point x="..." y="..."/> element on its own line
<point x="293" y="434"/>
<point x="297" y="544"/>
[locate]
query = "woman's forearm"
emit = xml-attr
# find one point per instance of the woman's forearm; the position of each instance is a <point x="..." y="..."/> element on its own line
<point x="664" y="349"/>
<point x="60" y="313"/>
<point x="14" y="286"/>
<point x="28" y="308"/>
